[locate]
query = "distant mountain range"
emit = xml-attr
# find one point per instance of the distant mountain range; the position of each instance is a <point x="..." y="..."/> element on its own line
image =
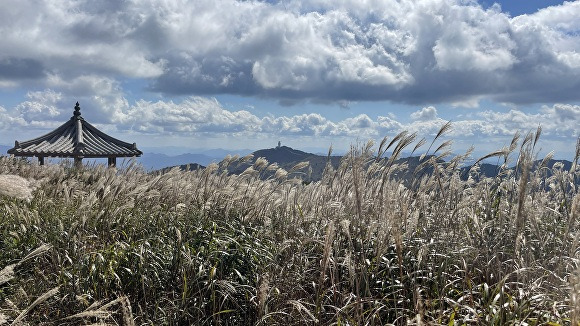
<point x="287" y="158"/>
<point x="155" y="161"/>
<point x="492" y="170"/>
<point x="152" y="160"/>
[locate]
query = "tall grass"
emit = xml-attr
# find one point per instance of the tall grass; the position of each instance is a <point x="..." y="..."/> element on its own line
<point x="124" y="247"/>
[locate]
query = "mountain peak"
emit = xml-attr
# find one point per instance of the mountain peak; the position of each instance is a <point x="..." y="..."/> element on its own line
<point x="282" y="154"/>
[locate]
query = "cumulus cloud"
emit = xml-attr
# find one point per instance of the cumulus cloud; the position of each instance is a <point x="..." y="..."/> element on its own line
<point x="559" y="120"/>
<point x="194" y="115"/>
<point x="101" y="102"/>
<point x="418" y="52"/>
<point x="203" y="117"/>
<point x="480" y="42"/>
<point x="200" y="115"/>
<point x="207" y="116"/>
<point x="565" y="113"/>
<point x="9" y="121"/>
<point x="41" y="110"/>
<point x="425" y="114"/>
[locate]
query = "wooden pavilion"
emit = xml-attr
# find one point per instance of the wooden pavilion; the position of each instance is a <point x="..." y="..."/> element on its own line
<point x="76" y="139"/>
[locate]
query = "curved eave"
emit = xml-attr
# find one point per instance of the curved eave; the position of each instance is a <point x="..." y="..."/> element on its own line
<point x="58" y="141"/>
<point x="62" y="142"/>
<point x="69" y="155"/>
<point x="99" y="144"/>
<point x="57" y="133"/>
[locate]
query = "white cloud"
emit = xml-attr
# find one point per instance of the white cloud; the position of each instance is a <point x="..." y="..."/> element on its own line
<point x="66" y="38"/>
<point x="37" y="111"/>
<point x="9" y="121"/>
<point x="388" y="124"/>
<point x="199" y="115"/>
<point x="567" y="114"/>
<point x="559" y="120"/>
<point x="202" y="118"/>
<point x="42" y="109"/>
<point x="425" y="51"/>
<point x="425" y="114"/>
<point x="475" y="40"/>
<point x="196" y="115"/>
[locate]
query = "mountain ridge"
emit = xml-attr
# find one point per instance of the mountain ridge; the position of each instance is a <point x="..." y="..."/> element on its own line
<point x="287" y="157"/>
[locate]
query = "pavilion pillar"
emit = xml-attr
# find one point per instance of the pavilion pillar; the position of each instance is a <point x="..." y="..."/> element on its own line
<point x="41" y="160"/>
<point x="112" y="161"/>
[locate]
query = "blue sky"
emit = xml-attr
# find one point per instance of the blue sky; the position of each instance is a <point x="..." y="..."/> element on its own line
<point x="245" y="74"/>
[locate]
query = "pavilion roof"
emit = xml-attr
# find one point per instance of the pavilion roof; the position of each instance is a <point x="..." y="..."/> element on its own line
<point x="75" y="138"/>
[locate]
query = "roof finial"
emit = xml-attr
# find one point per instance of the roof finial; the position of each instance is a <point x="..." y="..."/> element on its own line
<point x="77" y="110"/>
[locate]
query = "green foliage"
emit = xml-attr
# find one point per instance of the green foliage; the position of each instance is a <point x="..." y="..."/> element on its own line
<point x="120" y="246"/>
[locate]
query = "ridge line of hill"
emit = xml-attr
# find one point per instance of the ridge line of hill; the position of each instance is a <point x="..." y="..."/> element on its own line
<point x="287" y="157"/>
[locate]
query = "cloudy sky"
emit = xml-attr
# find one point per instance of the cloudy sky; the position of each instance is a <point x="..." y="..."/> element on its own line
<point x="245" y="74"/>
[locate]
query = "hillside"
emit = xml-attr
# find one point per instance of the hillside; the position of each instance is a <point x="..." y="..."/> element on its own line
<point x="287" y="158"/>
<point x="183" y="167"/>
<point x="491" y="170"/>
<point x="124" y="247"/>
<point x="155" y="161"/>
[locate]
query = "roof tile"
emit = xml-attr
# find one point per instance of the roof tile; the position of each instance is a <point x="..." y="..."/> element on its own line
<point x="62" y="142"/>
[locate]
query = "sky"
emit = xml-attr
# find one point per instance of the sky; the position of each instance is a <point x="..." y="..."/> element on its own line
<point x="177" y="75"/>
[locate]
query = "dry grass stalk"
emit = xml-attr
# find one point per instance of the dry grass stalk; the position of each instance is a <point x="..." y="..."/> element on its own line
<point x="15" y="186"/>
<point x="39" y="251"/>
<point x="575" y="297"/>
<point x="262" y="293"/>
<point x="102" y="311"/>
<point x="7" y="274"/>
<point x="303" y="310"/>
<point x="127" y="312"/>
<point x="392" y="257"/>
<point x="524" y="165"/>
<point x="49" y="294"/>
<point x="329" y="238"/>
<point x="100" y="314"/>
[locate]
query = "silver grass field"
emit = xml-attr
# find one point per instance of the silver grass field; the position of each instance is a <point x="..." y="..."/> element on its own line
<point x="119" y="246"/>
